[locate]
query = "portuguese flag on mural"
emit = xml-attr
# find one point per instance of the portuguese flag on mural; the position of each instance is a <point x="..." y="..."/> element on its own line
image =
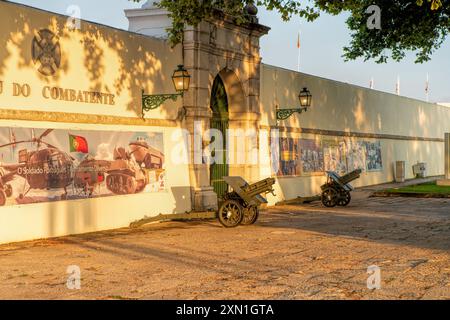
<point x="78" y="144"/>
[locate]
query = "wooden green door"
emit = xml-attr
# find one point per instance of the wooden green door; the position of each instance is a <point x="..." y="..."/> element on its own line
<point x="219" y="121"/>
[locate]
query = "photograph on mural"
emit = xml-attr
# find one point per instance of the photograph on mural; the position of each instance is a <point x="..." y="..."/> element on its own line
<point x="311" y="157"/>
<point x="334" y="155"/>
<point x="308" y="157"/>
<point x="41" y="165"/>
<point x="373" y="156"/>
<point x="356" y="155"/>
<point x="289" y="157"/>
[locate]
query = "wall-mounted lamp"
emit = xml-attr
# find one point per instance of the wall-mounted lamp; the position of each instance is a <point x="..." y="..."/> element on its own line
<point x="305" y="99"/>
<point x="181" y="80"/>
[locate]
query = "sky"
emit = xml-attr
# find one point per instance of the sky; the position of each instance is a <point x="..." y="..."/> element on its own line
<point x="322" y="43"/>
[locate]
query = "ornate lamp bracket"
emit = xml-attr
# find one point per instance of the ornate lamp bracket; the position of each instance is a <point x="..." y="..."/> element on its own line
<point x="154" y="101"/>
<point x="283" y="114"/>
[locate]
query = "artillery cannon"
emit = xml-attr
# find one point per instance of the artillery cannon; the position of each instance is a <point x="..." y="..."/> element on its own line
<point x="337" y="189"/>
<point x="241" y="206"/>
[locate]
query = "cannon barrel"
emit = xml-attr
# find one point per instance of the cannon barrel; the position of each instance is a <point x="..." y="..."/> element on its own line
<point x="263" y="186"/>
<point x="349" y="177"/>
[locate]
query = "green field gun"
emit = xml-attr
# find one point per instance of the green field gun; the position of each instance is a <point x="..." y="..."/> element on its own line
<point x="241" y="206"/>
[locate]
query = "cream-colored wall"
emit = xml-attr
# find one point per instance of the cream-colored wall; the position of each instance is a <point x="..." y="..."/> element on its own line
<point x="94" y="58"/>
<point x="338" y="106"/>
<point x="343" y="107"/>
<point x="50" y="219"/>
<point x="99" y="58"/>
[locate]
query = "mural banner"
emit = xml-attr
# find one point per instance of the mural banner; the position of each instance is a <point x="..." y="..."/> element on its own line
<point x="300" y="157"/>
<point x="311" y="157"/>
<point x="307" y="157"/>
<point x="373" y="156"/>
<point x="334" y="154"/>
<point x="289" y="157"/>
<point x="42" y="165"/>
<point x="356" y="155"/>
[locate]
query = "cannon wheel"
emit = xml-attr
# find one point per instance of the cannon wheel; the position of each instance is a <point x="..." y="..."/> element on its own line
<point x="2" y="197"/>
<point x="230" y="214"/>
<point x="250" y="215"/>
<point x="330" y="197"/>
<point x="344" y="199"/>
<point x="8" y="190"/>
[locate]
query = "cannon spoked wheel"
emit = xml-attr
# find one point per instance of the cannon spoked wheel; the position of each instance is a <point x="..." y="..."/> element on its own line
<point x="330" y="197"/>
<point x="250" y="215"/>
<point x="344" y="199"/>
<point x="230" y="214"/>
<point x="8" y="190"/>
<point x="2" y="198"/>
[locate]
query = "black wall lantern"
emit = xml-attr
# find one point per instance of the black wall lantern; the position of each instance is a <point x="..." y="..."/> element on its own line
<point x="305" y="99"/>
<point x="181" y="80"/>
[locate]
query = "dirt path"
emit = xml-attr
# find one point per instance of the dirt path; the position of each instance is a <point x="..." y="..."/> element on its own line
<point x="301" y="252"/>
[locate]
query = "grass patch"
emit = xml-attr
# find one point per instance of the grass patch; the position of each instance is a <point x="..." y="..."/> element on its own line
<point x="425" y="188"/>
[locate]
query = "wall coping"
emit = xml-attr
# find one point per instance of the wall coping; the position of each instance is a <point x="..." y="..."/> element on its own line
<point x="350" y="134"/>
<point x="81" y="118"/>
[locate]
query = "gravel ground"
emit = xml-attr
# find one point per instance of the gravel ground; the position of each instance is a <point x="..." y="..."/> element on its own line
<point x="293" y="252"/>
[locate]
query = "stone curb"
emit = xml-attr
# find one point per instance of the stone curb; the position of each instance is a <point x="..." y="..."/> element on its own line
<point x="409" y="195"/>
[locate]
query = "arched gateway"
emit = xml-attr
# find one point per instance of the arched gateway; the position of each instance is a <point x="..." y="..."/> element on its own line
<point x="215" y="49"/>
<point x="219" y="121"/>
<point x="224" y="63"/>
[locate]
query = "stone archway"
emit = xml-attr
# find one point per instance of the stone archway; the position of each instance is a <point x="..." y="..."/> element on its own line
<point x="227" y="97"/>
<point x="219" y="47"/>
<point x="235" y="92"/>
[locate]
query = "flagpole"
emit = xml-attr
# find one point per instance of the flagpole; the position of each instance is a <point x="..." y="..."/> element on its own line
<point x="427" y="88"/>
<point x="397" y="87"/>
<point x="298" y="47"/>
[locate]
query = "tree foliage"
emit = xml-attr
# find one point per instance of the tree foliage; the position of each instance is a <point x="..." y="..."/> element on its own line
<point x="406" y="25"/>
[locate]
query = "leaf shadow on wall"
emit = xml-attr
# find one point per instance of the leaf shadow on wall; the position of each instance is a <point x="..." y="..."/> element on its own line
<point x="113" y="61"/>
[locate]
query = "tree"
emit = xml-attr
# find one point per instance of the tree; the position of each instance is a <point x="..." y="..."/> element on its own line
<point x="415" y="25"/>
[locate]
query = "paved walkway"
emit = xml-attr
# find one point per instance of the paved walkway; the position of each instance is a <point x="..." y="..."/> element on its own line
<point x="293" y="252"/>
